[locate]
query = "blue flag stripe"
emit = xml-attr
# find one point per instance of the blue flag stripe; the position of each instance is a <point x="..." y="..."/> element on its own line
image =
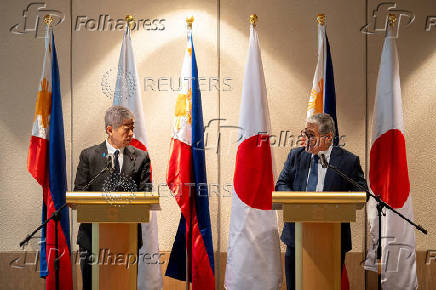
<point x="57" y="159"/>
<point x="177" y="263"/>
<point x="329" y="91"/>
<point x="199" y="164"/>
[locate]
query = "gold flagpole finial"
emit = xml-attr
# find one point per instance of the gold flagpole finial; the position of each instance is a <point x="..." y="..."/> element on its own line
<point x="253" y="19"/>
<point x="321" y="19"/>
<point x="48" y="19"/>
<point x="392" y="18"/>
<point x="130" y="21"/>
<point x="189" y="21"/>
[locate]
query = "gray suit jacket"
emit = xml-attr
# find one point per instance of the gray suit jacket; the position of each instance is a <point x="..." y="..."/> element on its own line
<point x="136" y="164"/>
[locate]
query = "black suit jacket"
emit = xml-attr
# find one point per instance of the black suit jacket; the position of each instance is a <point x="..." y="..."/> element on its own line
<point x="294" y="178"/>
<point x="136" y="164"/>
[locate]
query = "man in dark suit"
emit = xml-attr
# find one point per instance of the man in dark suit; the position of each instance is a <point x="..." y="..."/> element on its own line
<point x="302" y="171"/>
<point x="129" y="164"/>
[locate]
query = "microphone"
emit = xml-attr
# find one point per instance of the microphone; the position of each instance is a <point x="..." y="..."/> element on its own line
<point x="109" y="167"/>
<point x="323" y="161"/>
<point x="109" y="162"/>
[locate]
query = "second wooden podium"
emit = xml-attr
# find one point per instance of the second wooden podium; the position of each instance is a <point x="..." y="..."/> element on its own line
<point x="318" y="217"/>
<point x="114" y="217"/>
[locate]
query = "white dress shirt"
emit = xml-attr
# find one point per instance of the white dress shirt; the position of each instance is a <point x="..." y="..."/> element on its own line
<point x="111" y="150"/>
<point x="321" y="171"/>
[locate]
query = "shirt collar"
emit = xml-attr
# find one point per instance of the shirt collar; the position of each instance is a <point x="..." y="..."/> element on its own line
<point x="111" y="149"/>
<point x="326" y="152"/>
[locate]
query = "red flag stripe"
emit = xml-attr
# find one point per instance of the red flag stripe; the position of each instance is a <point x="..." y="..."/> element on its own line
<point x="202" y="277"/>
<point x="65" y="275"/>
<point x="179" y="174"/>
<point x="180" y="180"/>
<point x="345" y="284"/>
<point x="37" y="159"/>
<point x="253" y="179"/>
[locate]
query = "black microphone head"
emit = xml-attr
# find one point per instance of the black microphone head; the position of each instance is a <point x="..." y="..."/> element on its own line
<point x="323" y="160"/>
<point x="109" y="161"/>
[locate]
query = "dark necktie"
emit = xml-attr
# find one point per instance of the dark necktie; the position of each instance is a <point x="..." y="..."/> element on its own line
<point x="313" y="175"/>
<point x="116" y="161"/>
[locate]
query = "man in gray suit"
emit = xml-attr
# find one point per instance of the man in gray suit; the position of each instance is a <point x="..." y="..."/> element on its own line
<point x="129" y="164"/>
<point x="302" y="171"/>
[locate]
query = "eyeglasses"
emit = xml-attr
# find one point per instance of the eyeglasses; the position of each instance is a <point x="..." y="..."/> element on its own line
<point x="309" y="135"/>
<point x="312" y="138"/>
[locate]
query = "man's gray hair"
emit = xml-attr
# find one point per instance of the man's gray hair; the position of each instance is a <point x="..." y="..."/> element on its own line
<point x="116" y="115"/>
<point x="325" y="123"/>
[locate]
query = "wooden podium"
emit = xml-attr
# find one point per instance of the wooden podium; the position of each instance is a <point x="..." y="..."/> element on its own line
<point x="318" y="217"/>
<point x="114" y="217"/>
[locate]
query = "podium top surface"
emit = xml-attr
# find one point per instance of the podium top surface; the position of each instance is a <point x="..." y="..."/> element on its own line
<point x="74" y="198"/>
<point x="326" y="197"/>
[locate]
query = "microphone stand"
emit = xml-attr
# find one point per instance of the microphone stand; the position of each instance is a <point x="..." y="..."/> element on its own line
<point x="380" y="205"/>
<point x="56" y="217"/>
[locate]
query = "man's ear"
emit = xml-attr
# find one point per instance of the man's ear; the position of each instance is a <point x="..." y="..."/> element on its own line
<point x="109" y="130"/>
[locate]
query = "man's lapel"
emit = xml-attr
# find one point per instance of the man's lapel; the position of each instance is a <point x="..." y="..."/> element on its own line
<point x="335" y="160"/>
<point x="101" y="152"/>
<point x="305" y="165"/>
<point x="128" y="161"/>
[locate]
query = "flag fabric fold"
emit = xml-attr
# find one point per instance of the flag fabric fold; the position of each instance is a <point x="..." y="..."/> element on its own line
<point x="389" y="179"/>
<point x="323" y="94"/>
<point x="192" y="251"/>
<point x="128" y="94"/>
<point x="46" y="162"/>
<point x="253" y="254"/>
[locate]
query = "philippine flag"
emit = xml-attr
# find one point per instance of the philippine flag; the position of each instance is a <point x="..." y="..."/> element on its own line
<point x="46" y="163"/>
<point x="186" y="177"/>
<point x="323" y="94"/>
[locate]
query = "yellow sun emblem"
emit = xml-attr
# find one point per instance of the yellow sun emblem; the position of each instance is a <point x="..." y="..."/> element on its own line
<point x="316" y="98"/>
<point x="183" y="108"/>
<point x="43" y="103"/>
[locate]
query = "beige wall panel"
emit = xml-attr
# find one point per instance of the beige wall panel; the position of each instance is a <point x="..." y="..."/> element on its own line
<point x="21" y="61"/>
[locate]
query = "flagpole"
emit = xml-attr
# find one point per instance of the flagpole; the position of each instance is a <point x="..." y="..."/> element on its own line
<point x="253" y="19"/>
<point x="320" y="18"/>
<point x="391" y="21"/>
<point x="189" y="21"/>
<point x="130" y="22"/>
<point x="48" y="20"/>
